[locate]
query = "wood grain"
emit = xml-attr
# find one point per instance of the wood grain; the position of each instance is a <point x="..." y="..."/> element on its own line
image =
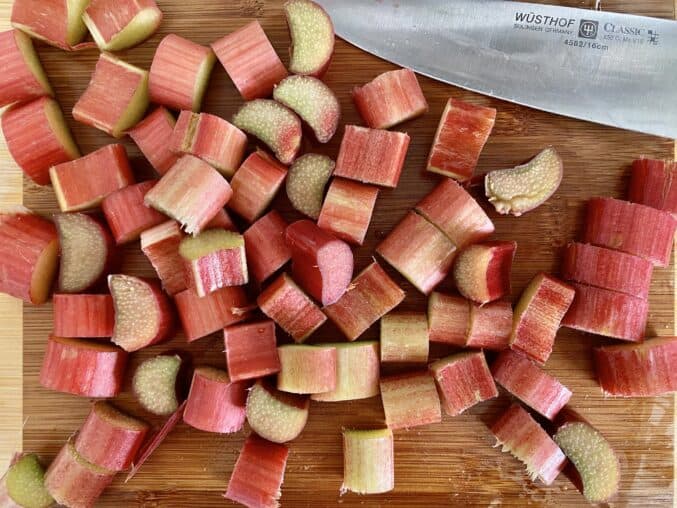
<point x="448" y="464"/>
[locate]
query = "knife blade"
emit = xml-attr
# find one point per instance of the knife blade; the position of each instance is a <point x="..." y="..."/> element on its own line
<point x="609" y="68"/>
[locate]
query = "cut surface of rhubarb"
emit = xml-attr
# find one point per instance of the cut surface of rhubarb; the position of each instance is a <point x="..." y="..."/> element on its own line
<point x="410" y="400"/>
<point x="160" y="244"/>
<point x="307" y="179"/>
<point x="83" y="315"/>
<point x="251" y="350"/>
<point x="24" y="484"/>
<point x="448" y="319"/>
<point x="152" y="136"/>
<point x="116" y="25"/>
<point x="274" y="415"/>
<point x="307" y="369"/>
<point x="368" y="461"/>
<point x="404" y="337"/>
<point x="357" y="372"/>
<point x="312" y="36"/>
<point x="58" y="23"/>
<point x="490" y="326"/>
<point x="347" y="209"/>
<point x="126" y="213"/>
<point x="155" y="384"/>
<point x="653" y="183"/>
<point x="482" y="271"/>
<point x="23" y="78"/>
<point x="265" y="245"/>
<point x="202" y="316"/>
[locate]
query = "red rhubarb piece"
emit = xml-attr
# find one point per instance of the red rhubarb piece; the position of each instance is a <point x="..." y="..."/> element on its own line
<point x="307" y="179"/>
<point x="307" y="369"/>
<point x="160" y="244"/>
<point x="265" y="244"/>
<point x="120" y="24"/>
<point x="410" y="400"/>
<point x="368" y="461"/>
<point x="347" y="210"/>
<point x="490" y="326"/>
<point x="56" y="22"/>
<point x="152" y="135"/>
<point x="274" y="415"/>
<point x="357" y="372"/>
<point x="251" y="350"/>
<point x="23" y="485"/>
<point x="127" y="214"/>
<point x="83" y="316"/>
<point x="448" y="319"/>
<point x="653" y="184"/>
<point x="482" y="271"/>
<point x="202" y="316"/>
<point x="222" y="220"/>
<point x="404" y="337"/>
<point x="23" y="78"/>
<point x="156" y="384"/>
<point x="312" y="37"/>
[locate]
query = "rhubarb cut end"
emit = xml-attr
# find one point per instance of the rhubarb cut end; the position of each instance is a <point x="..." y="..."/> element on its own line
<point x="25" y="483"/>
<point x="44" y="273"/>
<point x="306" y="182"/>
<point x="274" y="415"/>
<point x="144" y="24"/>
<point x="58" y="126"/>
<point x="312" y="35"/>
<point x="32" y="61"/>
<point x="154" y="384"/>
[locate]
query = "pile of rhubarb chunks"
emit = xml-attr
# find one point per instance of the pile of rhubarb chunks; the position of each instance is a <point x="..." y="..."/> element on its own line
<point x="293" y="277"/>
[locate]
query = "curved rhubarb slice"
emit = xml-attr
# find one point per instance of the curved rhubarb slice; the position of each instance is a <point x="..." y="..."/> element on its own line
<point x="404" y="337"/>
<point x="152" y="136"/>
<point x="307" y="179"/>
<point x="368" y="461"/>
<point x="410" y="400"/>
<point x="357" y="372"/>
<point x="307" y="369"/>
<point x="274" y="415"/>
<point x="23" y="486"/>
<point x="155" y="384"/>
<point x="23" y="78"/>
<point x="202" y="316"/>
<point x="482" y="271"/>
<point x="312" y="37"/>
<point x="347" y="209"/>
<point x="127" y="214"/>
<point x="313" y="101"/>
<point x="653" y="183"/>
<point x="116" y="25"/>
<point x="490" y="326"/>
<point x="448" y="319"/>
<point x="83" y="316"/>
<point x="58" y="23"/>
<point x="274" y="124"/>
<point x="143" y="313"/>
<point x="266" y="248"/>
<point x="251" y="350"/>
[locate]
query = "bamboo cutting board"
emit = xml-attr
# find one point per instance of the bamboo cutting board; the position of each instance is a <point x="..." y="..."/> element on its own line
<point x="452" y="463"/>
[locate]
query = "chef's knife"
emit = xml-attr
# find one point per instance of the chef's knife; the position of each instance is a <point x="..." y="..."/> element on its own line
<point x="609" y="68"/>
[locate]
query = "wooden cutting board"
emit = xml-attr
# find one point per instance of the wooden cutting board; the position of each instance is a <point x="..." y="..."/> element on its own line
<point x="452" y="463"/>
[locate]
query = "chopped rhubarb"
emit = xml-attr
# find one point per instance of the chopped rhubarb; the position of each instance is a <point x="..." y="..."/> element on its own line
<point x="251" y="350"/>
<point x="215" y="403"/>
<point x="152" y="136"/>
<point x="29" y="251"/>
<point x="82" y="184"/>
<point x="222" y="220"/>
<point x="372" y="155"/>
<point x="23" y="486"/>
<point x="307" y="369"/>
<point x="312" y="37"/>
<point x="419" y="251"/>
<point x="127" y="214"/>
<point x="357" y="372"/>
<point x="538" y="315"/>
<point x="255" y="184"/>
<point x="410" y="400"/>
<point x="448" y="319"/>
<point x="265" y="244"/>
<point x="274" y="415"/>
<point x="83" y="316"/>
<point x="370" y="296"/>
<point x="531" y="384"/>
<point x="84" y="368"/>
<point x="23" y="78"/>
<point x="404" y="337"/>
<point x="120" y="24"/>
<point x="368" y="461"/>
<point x="143" y="313"/>
<point x="38" y="138"/>
<point x="653" y="184"/>
<point x="202" y="316"/>
<point x="482" y="271"/>
<point x="490" y="326"/>
<point x="461" y="135"/>
<point x="116" y="98"/>
<point x="56" y="22"/>
<point x="463" y="380"/>
<point x="180" y="73"/>
<point x="306" y="182"/>
<point x="251" y="61"/>
<point x="155" y="384"/>
<point x="347" y="209"/>
<point x="160" y="244"/>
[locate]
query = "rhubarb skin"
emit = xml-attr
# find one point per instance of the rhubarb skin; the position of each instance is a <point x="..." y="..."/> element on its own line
<point x="482" y="271"/>
<point x="607" y="313"/>
<point x="56" y="22"/>
<point x="152" y="135"/>
<point x="265" y="245"/>
<point x="357" y="372"/>
<point x="368" y="461"/>
<point x="529" y="383"/>
<point x="84" y="368"/>
<point x="29" y="250"/>
<point x="463" y="380"/>
<point x="607" y="269"/>
<point x="82" y="316"/>
<point x="116" y="25"/>
<point x="258" y="473"/>
<point x="23" y="485"/>
<point x="490" y="326"/>
<point x="160" y="244"/>
<point x="307" y="369"/>
<point x="274" y="415"/>
<point x="632" y="228"/>
<point x="23" y="78"/>
<point x="448" y="319"/>
<point x="312" y="37"/>
<point x="202" y="316"/>
<point x="518" y="433"/>
<point x="372" y="155"/>
<point x="222" y="220"/>
<point x="404" y="337"/>
<point x="215" y="402"/>
<point x="251" y="350"/>
<point x="419" y="251"/>
<point x="637" y="370"/>
<point x="461" y="135"/>
<point x="653" y="184"/>
<point x="347" y="210"/>
<point x="410" y="400"/>
<point x="127" y="214"/>
<point x="38" y="138"/>
<point x="370" y="296"/>
<point x="538" y="315"/>
<point x="251" y="61"/>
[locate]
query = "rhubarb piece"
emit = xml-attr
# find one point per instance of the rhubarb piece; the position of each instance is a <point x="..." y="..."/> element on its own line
<point x="180" y="73"/>
<point x="389" y="99"/>
<point x="286" y="304"/>
<point x="37" y="137"/>
<point x="312" y="37"/>
<point x="274" y="124"/>
<point x="23" y="78"/>
<point x="529" y="383"/>
<point x="347" y="210"/>
<point x="251" y="350"/>
<point x="372" y="155"/>
<point x="109" y="438"/>
<point x="87" y="252"/>
<point x="23" y="486"/>
<point x="258" y="473"/>
<point x="463" y="380"/>
<point x="83" y="316"/>
<point x="116" y="25"/>
<point x="116" y="98"/>
<point x="313" y="101"/>
<point x="357" y="372"/>
<point x="155" y="384"/>
<point x="370" y="296"/>
<point x="410" y="400"/>
<point x="266" y="248"/>
<point x="222" y="220"/>
<point x="419" y="251"/>
<point x="404" y="337"/>
<point x="368" y="461"/>
<point x="518" y="433"/>
<point x="85" y="368"/>
<point x="215" y="403"/>
<point x="521" y="189"/>
<point x="202" y="316"/>
<point x="152" y="136"/>
<point x="448" y="319"/>
<point x="631" y="228"/>
<point x="321" y="263"/>
<point x="274" y="415"/>
<point x="29" y="249"/>
<point x="255" y="185"/>
<point x="490" y="326"/>
<point x="250" y="61"/>
<point x="449" y="207"/>
<point x="307" y="180"/>
<point x="653" y="184"/>
<point x="191" y="192"/>
<point x="126" y="213"/>
<point x="58" y="22"/>
<point x="143" y="313"/>
<point x="482" y="271"/>
<point x="82" y="184"/>
<point x="607" y="269"/>
<point x="637" y="370"/>
<point x="307" y="369"/>
<point x="538" y="315"/>
<point x="607" y="313"/>
<point x="160" y="244"/>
